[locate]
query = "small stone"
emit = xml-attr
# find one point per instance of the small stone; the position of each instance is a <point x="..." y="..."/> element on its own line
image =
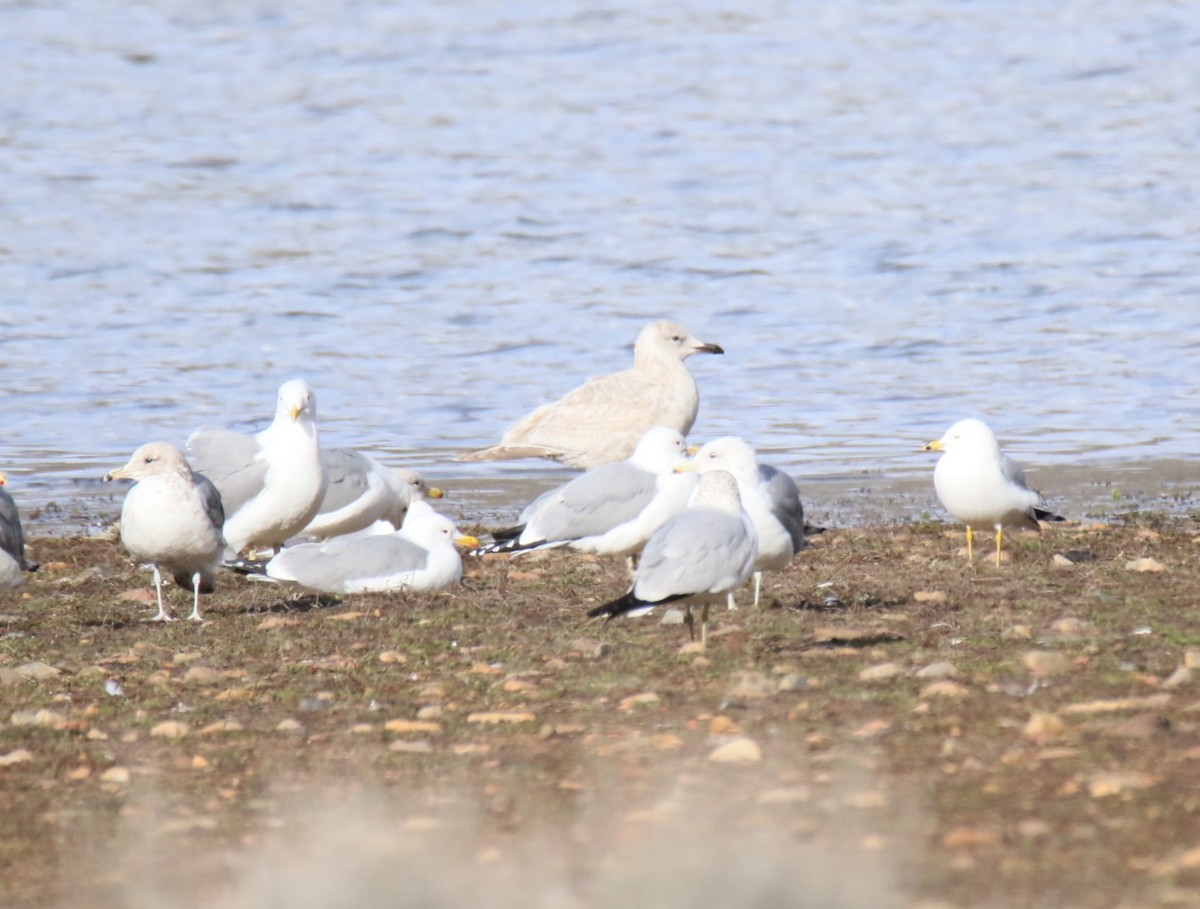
<point x="1191" y="659"/>
<point x="589" y="649"/>
<point x="793" y="681"/>
<point x="638" y="700"/>
<point x="47" y="719"/>
<point x="1102" y="785"/>
<point x="672" y="617"/>
<point x="1034" y="828"/>
<point x="931" y="596"/>
<point x="496" y="717"/>
<point x="170" y="729"/>
<point x="1017" y="633"/>
<point x="289" y="725"/>
<point x="1150" y="702"/>
<point x="872" y="729"/>
<point x="1142" y="726"/>
<point x="945" y="690"/>
<point x="969" y="837"/>
<point x="941" y="670"/>
<point x="737" y="751"/>
<point x="752" y="685"/>
<point x="1071" y="627"/>
<point x="1181" y="676"/>
<point x="723" y="725"/>
<point x="1061" y="561"/>
<point x="37" y="671"/>
<point x="1044" y="727"/>
<point x="404" y="727"/>
<point x="403" y="746"/>
<point x="199" y="762"/>
<point x="345" y="616"/>
<point x="1046" y="663"/>
<point x="430" y="712"/>
<point x="190" y="656"/>
<point x="20" y="756"/>
<point x="9" y="676"/>
<point x="117" y="775"/>
<point x="273" y="622"/>
<point x="665" y="741"/>
<point x="201" y="675"/>
<point x="691" y="647"/>
<point x="138" y="595"/>
<point x="79" y="774"/>
<point x="221" y="726"/>
<point x="392" y="656"/>
<point x="880" y="672"/>
<point x="1145" y="564"/>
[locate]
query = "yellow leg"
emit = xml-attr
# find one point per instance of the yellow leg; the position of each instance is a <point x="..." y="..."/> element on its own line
<point x="970" y="547"/>
<point x="999" y="540"/>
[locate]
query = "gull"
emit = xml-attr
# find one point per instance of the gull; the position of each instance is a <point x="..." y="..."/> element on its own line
<point x="981" y="486"/>
<point x="362" y="491"/>
<point x="611" y="509"/>
<point x="696" y="557"/>
<point x="12" y="542"/>
<point x="420" y="556"/>
<point x="770" y="498"/>
<point x="271" y="483"/>
<point x="602" y="420"/>
<point x="171" y="518"/>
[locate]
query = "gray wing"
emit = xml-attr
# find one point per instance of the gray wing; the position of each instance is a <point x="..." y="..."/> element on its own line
<point x="329" y="566"/>
<point x="1012" y="471"/>
<point x="349" y="472"/>
<point x="694" y="551"/>
<point x="228" y="459"/>
<point x="211" y="499"/>
<point x="12" y="540"/>
<point x="783" y="497"/>
<point x="595" y="503"/>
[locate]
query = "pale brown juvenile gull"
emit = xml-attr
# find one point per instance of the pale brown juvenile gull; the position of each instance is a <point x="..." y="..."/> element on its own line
<point x="271" y="483"/>
<point x="171" y="518"/>
<point x="602" y="420"/>
<point x="981" y="486"/>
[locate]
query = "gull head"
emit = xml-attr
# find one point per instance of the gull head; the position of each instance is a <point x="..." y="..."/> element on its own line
<point x="670" y="339"/>
<point x="430" y="529"/>
<point x="296" y="398"/>
<point x="151" y="459"/>
<point x="659" y="449"/>
<point x="728" y="453"/>
<point x="965" y="435"/>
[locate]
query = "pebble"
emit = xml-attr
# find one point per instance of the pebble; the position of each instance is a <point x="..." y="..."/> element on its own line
<point x="20" y="756"/>
<point x="737" y="751"/>
<point x="118" y="775"/>
<point x="496" y="717"/>
<point x="589" y="649"/>
<point x="430" y="712"/>
<point x="1145" y="564"/>
<point x="793" y="681"/>
<point x="751" y="685"/>
<point x="672" y="617"/>
<point x="273" y="622"/>
<point x="945" y="690"/>
<point x="940" y="670"/>
<point x="189" y="656"/>
<point x="1061" y="561"/>
<point x="9" y="676"/>
<point x="201" y="675"/>
<point x="968" y="837"/>
<point x="222" y="726"/>
<point x="1044" y="727"/>
<point x="1180" y="676"/>
<point x="407" y="726"/>
<point x="37" y="671"/>
<point x="1102" y="785"/>
<point x="931" y="596"/>
<point x="48" y="719"/>
<point x="289" y="725"/>
<point x="1046" y="663"/>
<point x="880" y="672"/>
<point x="638" y="700"/>
<point x="1150" y="702"/>
<point x="1191" y="659"/>
<point x="422" y="746"/>
<point x="392" y="656"/>
<point x="170" y="729"/>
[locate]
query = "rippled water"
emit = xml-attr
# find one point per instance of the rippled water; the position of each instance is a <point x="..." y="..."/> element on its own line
<point x="890" y="214"/>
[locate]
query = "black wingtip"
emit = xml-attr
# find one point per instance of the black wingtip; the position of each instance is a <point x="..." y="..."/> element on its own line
<point x="1042" y="515"/>
<point x="617" y="607"/>
<point x="811" y="530"/>
<point x="245" y="566"/>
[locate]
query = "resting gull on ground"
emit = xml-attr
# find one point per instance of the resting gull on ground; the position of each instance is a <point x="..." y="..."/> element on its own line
<point x="981" y="486"/>
<point x="696" y="557"/>
<point x="602" y="420"/>
<point x="420" y="556"/>
<point x="271" y="483"/>
<point x="770" y="498"/>
<point x="171" y="518"/>
<point x="12" y="542"/>
<point x="362" y="491"/>
<point x="612" y="509"/>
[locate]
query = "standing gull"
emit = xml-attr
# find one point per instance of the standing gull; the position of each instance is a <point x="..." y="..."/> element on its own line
<point x="12" y="542"/>
<point x="420" y="556"/>
<point x="696" y="557"/>
<point x="172" y="519"/>
<point x="769" y="496"/>
<point x="362" y="491"/>
<point x="603" y="419"/>
<point x="271" y="483"/>
<point x="613" y="508"/>
<point x="981" y="486"/>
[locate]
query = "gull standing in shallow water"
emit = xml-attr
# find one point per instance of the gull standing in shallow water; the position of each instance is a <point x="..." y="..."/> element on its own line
<point x="420" y="556"/>
<point x="172" y="519"/>
<point x="610" y="510"/>
<point x="983" y="488"/>
<point x="12" y="542"/>
<point x="696" y="557"/>
<point x="362" y="491"/>
<point x="603" y="419"/>
<point x="770" y="498"/>
<point x="271" y="483"/>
